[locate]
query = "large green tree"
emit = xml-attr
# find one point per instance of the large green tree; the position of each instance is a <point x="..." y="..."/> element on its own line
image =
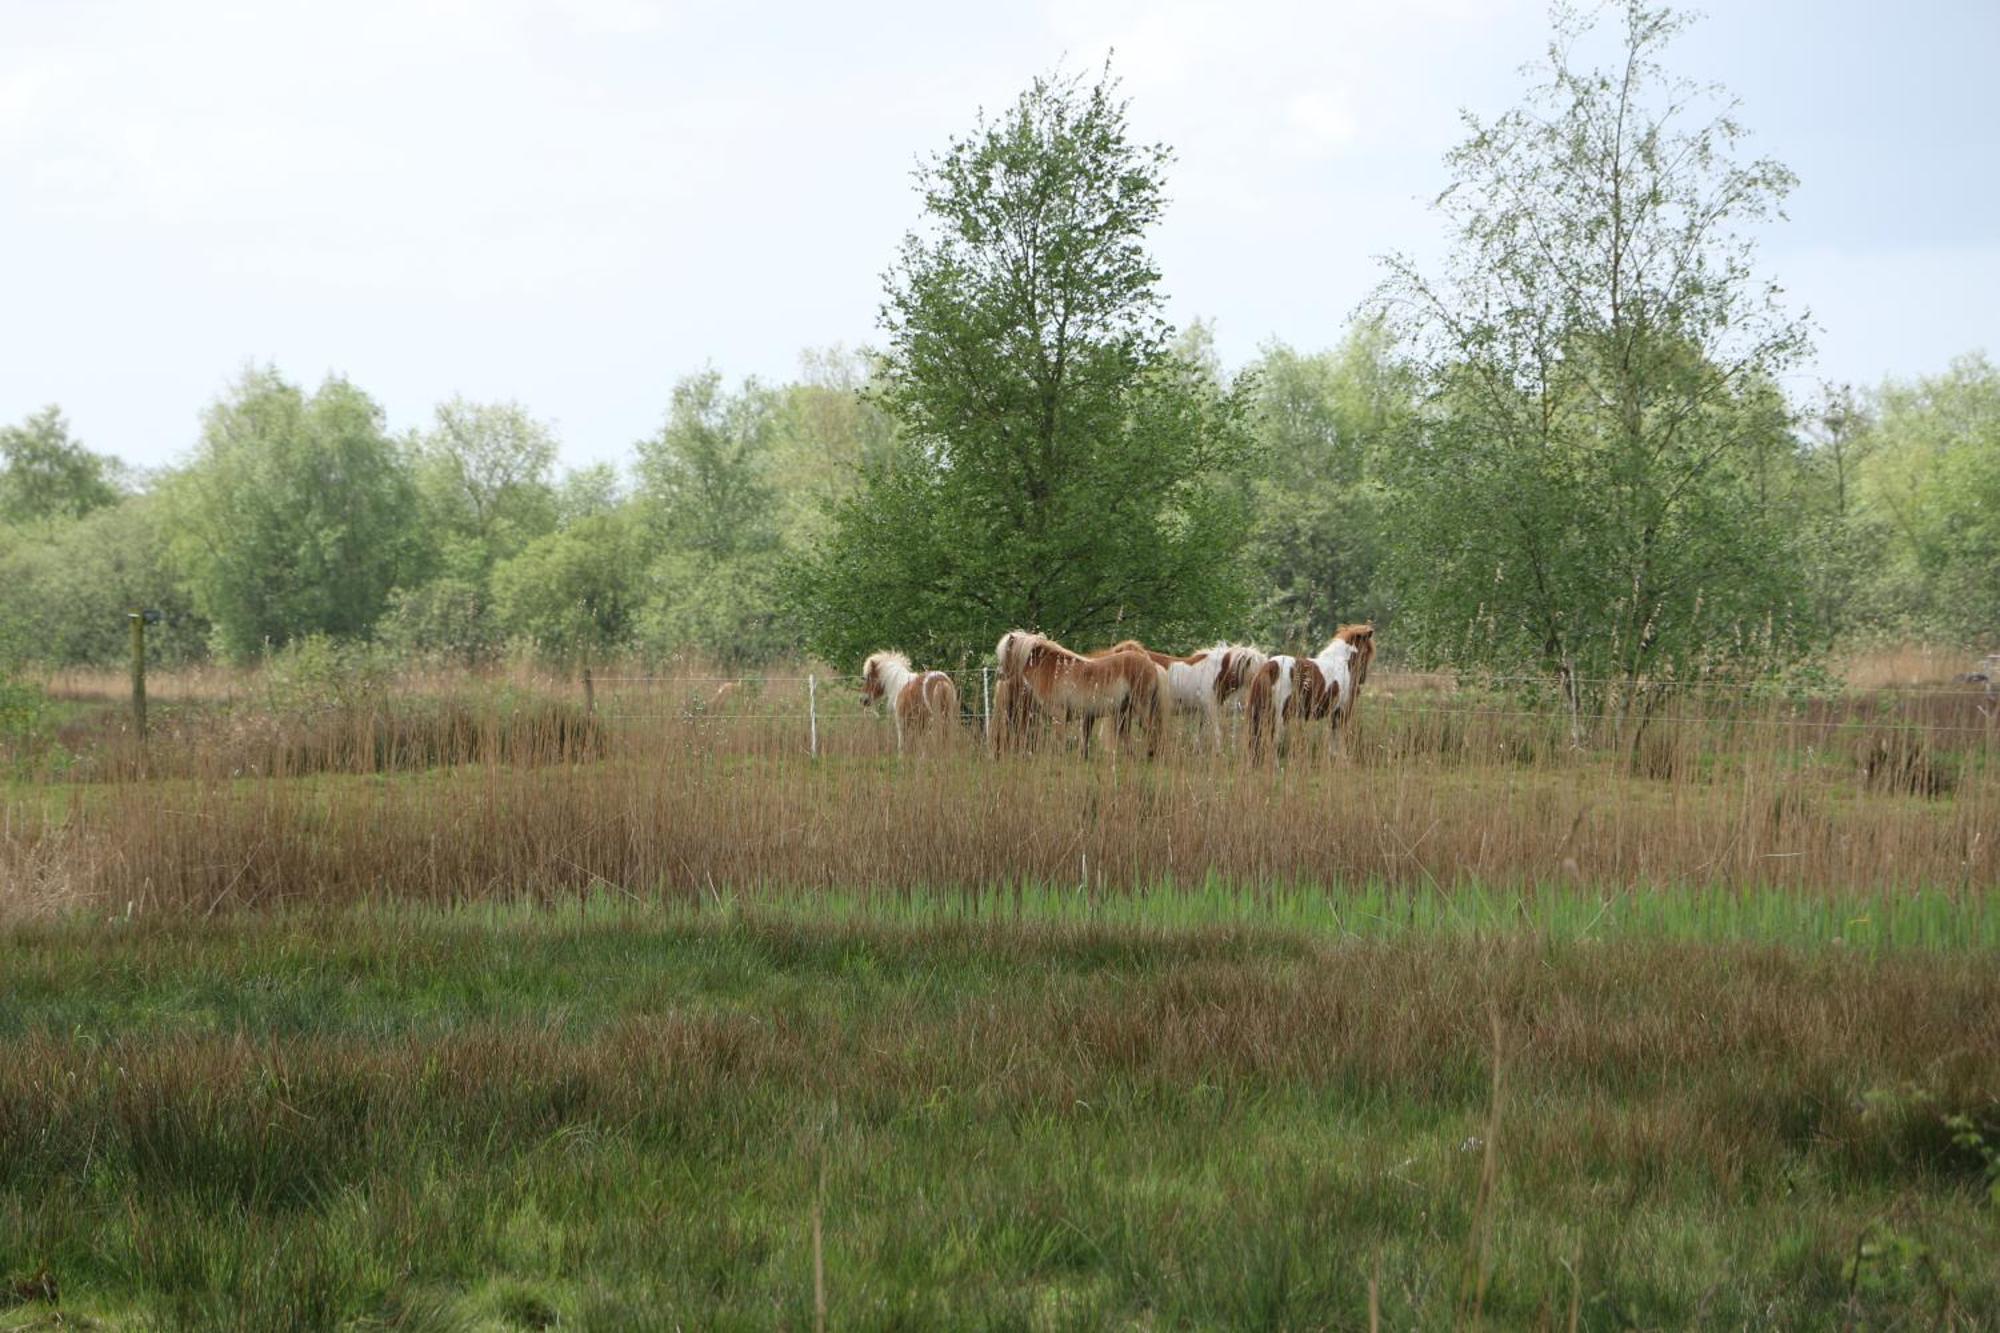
<point x="45" y="474"/>
<point x="297" y="515"/>
<point x="1598" y="350"/>
<point x="1059" y="466"/>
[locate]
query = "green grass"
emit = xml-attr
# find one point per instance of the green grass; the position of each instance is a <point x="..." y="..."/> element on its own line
<point x="1179" y="1109"/>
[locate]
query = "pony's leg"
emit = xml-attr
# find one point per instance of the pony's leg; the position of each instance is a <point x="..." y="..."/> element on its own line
<point x="1089" y="723"/>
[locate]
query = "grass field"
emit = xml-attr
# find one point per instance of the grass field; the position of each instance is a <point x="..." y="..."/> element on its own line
<point x="475" y="1008"/>
<point x="1042" y="1117"/>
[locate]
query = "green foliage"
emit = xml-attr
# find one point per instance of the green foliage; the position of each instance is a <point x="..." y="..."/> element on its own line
<point x="68" y="585"/>
<point x="446" y="619"/>
<point x="1060" y="466"/>
<point x="713" y="514"/>
<point x="318" y="673"/>
<point x="298" y="514"/>
<point x="1327" y="425"/>
<point x="588" y="492"/>
<point x="1589" y="491"/>
<point x="572" y="593"/>
<point x="44" y="474"/>
<point x="22" y="703"/>
<point x="704" y="474"/>
<point x="832" y="431"/>
<point x="484" y="473"/>
<point x="1929" y="492"/>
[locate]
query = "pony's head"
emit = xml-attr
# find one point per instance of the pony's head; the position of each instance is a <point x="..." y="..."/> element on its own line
<point x="1361" y="638"/>
<point x="873" y="686"/>
<point x="1013" y="650"/>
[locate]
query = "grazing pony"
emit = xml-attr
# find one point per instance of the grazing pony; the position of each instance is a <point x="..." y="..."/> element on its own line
<point x="1121" y="684"/>
<point x="1309" y="688"/>
<point x="917" y="698"/>
<point x="1201" y="682"/>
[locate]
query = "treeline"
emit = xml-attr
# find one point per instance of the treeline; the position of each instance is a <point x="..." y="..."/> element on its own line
<point x="300" y="513"/>
<point x="1566" y="449"/>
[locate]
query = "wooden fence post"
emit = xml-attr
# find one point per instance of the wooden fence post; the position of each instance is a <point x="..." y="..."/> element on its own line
<point x="137" y="618"/>
<point x="812" y="714"/>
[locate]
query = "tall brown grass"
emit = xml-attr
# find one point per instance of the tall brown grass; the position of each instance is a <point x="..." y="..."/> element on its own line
<point x="451" y="789"/>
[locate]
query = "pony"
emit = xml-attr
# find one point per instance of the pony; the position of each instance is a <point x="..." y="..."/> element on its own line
<point x="1310" y="688"/>
<point x="1202" y="682"/>
<point x="1121" y="684"/>
<point x="917" y="698"/>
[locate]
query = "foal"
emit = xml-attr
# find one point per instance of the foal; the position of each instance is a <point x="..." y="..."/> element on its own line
<point x="918" y="698"/>
<point x="1122" y="683"/>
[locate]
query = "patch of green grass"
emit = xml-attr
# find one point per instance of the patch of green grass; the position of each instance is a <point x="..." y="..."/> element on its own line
<point x="1031" y="1109"/>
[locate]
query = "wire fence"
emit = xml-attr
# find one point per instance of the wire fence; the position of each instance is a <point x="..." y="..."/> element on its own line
<point x="1967" y="713"/>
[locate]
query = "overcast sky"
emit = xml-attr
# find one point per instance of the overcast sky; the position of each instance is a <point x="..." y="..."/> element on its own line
<point x="572" y="204"/>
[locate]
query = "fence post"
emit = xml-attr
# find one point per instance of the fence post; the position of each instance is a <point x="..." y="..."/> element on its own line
<point x="812" y="714"/>
<point x="986" y="704"/>
<point x="138" y="622"/>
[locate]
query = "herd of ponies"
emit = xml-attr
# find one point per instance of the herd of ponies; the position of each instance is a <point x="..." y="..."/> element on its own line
<point x="1039" y="684"/>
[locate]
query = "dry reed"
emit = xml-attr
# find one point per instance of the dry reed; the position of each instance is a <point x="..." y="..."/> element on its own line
<point x="660" y="789"/>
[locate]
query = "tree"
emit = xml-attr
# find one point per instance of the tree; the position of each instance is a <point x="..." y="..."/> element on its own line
<point x="1597" y="354"/>
<point x="485" y="469"/>
<point x="831" y="432"/>
<point x="297" y="515"/>
<point x="69" y="585"/>
<point x="1327" y="423"/>
<point x="1058" y="465"/>
<point x="44" y="474"/>
<point x="1928" y="486"/>
<point x="572" y="593"/>
<point x="705" y="480"/>
<point x="704" y="473"/>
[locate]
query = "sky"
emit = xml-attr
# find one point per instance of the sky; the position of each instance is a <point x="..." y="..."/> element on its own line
<point x="570" y="205"/>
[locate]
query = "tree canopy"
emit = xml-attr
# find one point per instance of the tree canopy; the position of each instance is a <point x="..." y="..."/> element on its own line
<point x="1060" y="465"/>
<point x="298" y="514"/>
<point x="1598" y="354"/>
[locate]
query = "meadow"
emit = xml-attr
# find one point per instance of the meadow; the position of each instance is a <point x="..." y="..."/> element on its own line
<point x="442" y="1001"/>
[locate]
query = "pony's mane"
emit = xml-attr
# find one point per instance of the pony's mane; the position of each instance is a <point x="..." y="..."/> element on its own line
<point x="1012" y="650"/>
<point x="884" y="658"/>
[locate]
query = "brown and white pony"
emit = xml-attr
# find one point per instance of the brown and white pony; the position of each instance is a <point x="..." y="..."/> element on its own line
<point x="1307" y="689"/>
<point x="917" y="698"/>
<point x="1121" y="684"/>
<point x="1202" y="682"/>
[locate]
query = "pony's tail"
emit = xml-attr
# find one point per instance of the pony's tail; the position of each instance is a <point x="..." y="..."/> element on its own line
<point x="1262" y="708"/>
